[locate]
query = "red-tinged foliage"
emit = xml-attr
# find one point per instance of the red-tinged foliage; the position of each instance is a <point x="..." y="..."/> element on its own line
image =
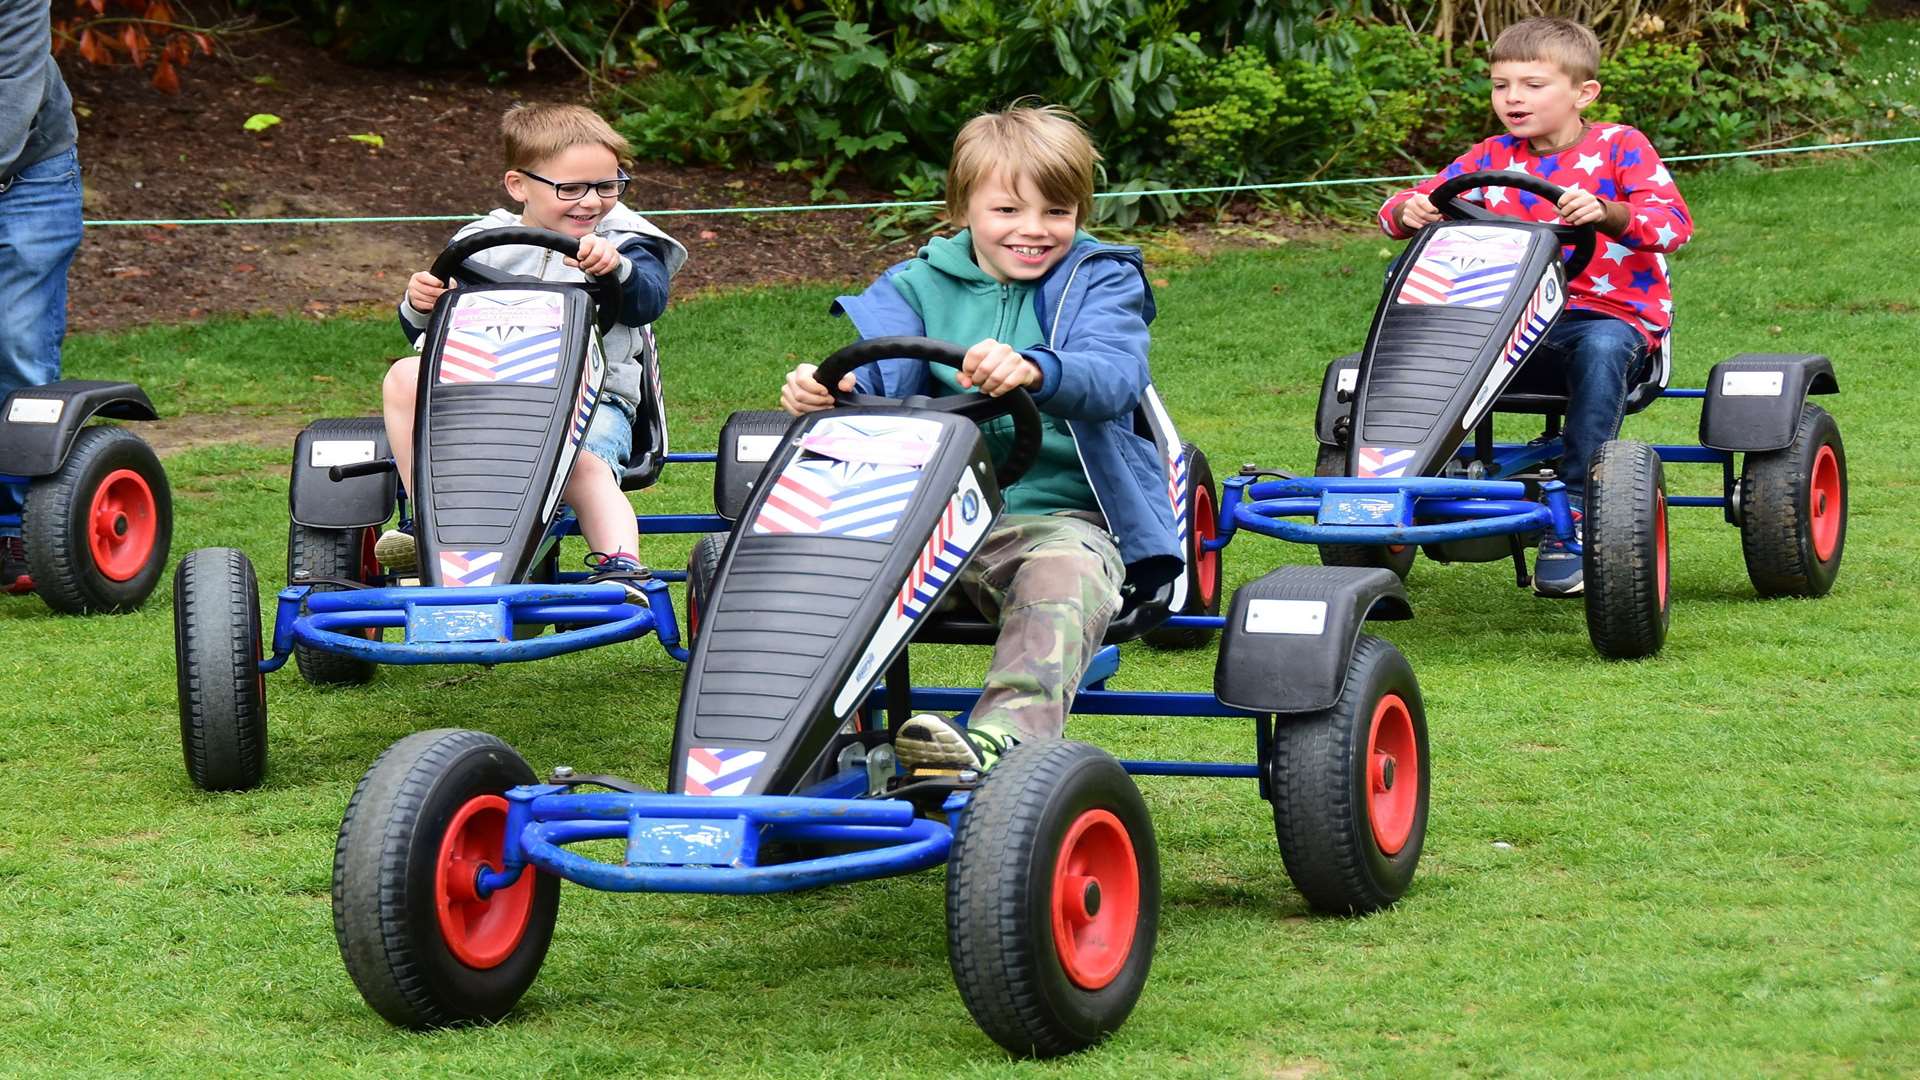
<point x="104" y="32"/>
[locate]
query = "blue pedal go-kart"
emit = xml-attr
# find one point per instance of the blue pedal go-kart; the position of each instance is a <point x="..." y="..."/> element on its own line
<point x="510" y="373"/>
<point x="447" y="871"/>
<point x="1469" y="302"/>
<point x="98" y="520"/>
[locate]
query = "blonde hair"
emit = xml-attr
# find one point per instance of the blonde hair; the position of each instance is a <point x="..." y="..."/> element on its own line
<point x="1044" y="144"/>
<point x="536" y="133"/>
<point x="1555" y="41"/>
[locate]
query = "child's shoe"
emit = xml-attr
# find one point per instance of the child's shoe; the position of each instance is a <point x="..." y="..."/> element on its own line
<point x="618" y="566"/>
<point x="395" y="550"/>
<point x="927" y="741"/>
<point x="15" y="578"/>
<point x="1557" y="569"/>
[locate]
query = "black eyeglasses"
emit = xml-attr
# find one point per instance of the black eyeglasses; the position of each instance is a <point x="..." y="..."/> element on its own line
<point x="575" y="190"/>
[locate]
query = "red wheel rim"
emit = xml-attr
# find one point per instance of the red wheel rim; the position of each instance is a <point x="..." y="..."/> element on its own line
<point x="1206" y="564"/>
<point x="1824" y="511"/>
<point x="1660" y="545"/>
<point x="1393" y="774"/>
<point x="479" y="932"/>
<point x="1096" y="899"/>
<point x="121" y="524"/>
<point x="370" y="571"/>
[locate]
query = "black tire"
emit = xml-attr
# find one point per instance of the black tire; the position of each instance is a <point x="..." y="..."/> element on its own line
<point x="1793" y="510"/>
<point x="216" y="650"/>
<point x="1201" y="497"/>
<point x="1625" y="568"/>
<point x="386" y="869"/>
<point x="1012" y="972"/>
<point x="703" y="566"/>
<point x="111" y="482"/>
<point x="333" y="553"/>
<point x="1348" y="848"/>
<point x="1332" y="461"/>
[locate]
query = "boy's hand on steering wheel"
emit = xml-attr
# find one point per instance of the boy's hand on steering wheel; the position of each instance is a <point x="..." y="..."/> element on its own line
<point x="1418" y="212"/>
<point x="803" y="394"/>
<point x="996" y="368"/>
<point x="1578" y="207"/>
<point x="423" y="291"/>
<point x="597" y="256"/>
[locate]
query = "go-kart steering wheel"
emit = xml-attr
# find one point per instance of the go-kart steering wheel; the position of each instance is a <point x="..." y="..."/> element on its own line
<point x="978" y="408"/>
<point x="1446" y="199"/>
<point x="457" y="262"/>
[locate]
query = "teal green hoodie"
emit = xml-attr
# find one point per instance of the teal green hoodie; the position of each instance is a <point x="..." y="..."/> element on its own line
<point x="962" y="303"/>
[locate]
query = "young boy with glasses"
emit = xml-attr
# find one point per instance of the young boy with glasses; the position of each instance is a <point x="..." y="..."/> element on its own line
<point x="563" y="167"/>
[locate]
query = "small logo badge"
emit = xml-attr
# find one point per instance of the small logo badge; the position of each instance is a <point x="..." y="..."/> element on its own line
<point x="969" y="507"/>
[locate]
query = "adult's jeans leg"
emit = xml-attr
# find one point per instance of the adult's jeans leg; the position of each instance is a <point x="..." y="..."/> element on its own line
<point x="39" y="232"/>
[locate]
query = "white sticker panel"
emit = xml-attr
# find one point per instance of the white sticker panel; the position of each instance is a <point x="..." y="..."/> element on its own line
<point x="1751" y="383"/>
<point x="329" y="452"/>
<point x="1287" y="617"/>
<point x="34" y="410"/>
<point x="755" y="447"/>
<point x="1347" y="379"/>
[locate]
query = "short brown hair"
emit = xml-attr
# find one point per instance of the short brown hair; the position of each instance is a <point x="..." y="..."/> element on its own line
<point x="1555" y="41"/>
<point x="536" y="133"/>
<point x="1041" y="143"/>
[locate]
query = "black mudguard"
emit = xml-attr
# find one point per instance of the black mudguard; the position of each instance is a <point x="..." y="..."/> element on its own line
<point x="1342" y="377"/>
<point x="748" y="440"/>
<point x="499" y="424"/>
<point x="317" y="501"/>
<point x="1753" y="400"/>
<point x="804" y="616"/>
<point x="1460" y="315"/>
<point x="1290" y="634"/>
<point x="39" y="423"/>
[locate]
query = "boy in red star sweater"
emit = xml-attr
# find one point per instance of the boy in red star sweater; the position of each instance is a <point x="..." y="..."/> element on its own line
<point x="1620" y="307"/>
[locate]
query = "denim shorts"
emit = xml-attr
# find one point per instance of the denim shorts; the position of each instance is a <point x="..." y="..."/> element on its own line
<point x="610" y="435"/>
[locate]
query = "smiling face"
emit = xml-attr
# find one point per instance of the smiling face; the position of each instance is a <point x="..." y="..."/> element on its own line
<point x="1538" y="101"/>
<point x="1018" y="233"/>
<point x="587" y="162"/>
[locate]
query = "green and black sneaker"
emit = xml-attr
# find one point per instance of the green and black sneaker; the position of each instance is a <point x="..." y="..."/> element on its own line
<point x="927" y="742"/>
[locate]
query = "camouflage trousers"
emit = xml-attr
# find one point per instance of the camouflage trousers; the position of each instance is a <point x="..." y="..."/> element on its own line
<point x="1052" y="582"/>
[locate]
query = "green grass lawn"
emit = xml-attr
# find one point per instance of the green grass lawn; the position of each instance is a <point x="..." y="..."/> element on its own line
<point x="1700" y="864"/>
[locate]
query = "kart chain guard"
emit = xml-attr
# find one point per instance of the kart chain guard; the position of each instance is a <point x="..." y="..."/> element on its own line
<point x="508" y="382"/>
<point x="1465" y="308"/>
<point x="837" y="558"/>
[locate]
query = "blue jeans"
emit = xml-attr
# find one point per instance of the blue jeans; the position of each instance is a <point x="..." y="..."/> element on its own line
<point x="39" y="231"/>
<point x="1598" y="357"/>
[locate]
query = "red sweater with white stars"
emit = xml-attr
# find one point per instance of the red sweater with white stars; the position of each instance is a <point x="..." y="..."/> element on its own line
<point x="1627" y="278"/>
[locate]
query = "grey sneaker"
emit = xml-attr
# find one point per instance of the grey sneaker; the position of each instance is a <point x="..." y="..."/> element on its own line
<point x="1557" y="570"/>
<point x="395" y="550"/>
<point x="927" y="741"/>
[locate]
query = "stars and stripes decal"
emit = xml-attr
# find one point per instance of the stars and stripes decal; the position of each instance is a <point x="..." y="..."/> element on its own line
<point x="721" y="770"/>
<point x="583" y="409"/>
<point x="459" y="568"/>
<point x="938" y="561"/>
<point x="1384" y="461"/>
<point x="1177" y="495"/>
<point x="837" y="498"/>
<point x="477" y="358"/>
<point x="1533" y="323"/>
<point x="1466" y="268"/>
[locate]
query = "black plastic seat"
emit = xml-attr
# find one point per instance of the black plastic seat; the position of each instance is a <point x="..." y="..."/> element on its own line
<point x="1537" y="389"/>
<point x="964" y="625"/>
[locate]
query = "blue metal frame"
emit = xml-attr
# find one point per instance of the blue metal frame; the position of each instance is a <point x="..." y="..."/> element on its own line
<point x="1432" y="510"/>
<point x="12" y="521"/>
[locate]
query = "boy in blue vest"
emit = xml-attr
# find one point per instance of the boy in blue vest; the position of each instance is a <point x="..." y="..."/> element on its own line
<point x="1044" y="307"/>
